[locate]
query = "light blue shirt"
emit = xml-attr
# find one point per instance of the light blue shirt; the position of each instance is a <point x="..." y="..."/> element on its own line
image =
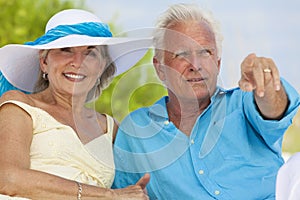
<point x="232" y="152"/>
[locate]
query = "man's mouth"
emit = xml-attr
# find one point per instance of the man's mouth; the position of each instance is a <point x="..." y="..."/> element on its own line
<point x="194" y="80"/>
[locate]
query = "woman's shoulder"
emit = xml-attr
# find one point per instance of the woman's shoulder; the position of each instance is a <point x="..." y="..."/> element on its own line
<point x="14" y="103"/>
<point x="15" y="95"/>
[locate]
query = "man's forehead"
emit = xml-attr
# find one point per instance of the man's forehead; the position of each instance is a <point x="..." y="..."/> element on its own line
<point x="188" y="37"/>
<point x="186" y="42"/>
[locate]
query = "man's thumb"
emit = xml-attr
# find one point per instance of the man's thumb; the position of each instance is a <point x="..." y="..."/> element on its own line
<point x="144" y="181"/>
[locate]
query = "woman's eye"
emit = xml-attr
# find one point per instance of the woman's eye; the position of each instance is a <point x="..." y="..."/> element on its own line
<point x="93" y="53"/>
<point x="66" y="49"/>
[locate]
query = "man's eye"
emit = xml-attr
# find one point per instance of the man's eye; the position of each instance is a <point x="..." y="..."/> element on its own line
<point x="181" y="54"/>
<point x="204" y="52"/>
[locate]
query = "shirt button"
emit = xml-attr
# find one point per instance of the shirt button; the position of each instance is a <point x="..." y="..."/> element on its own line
<point x="201" y="172"/>
<point x="217" y="192"/>
<point x="166" y="122"/>
<point x="192" y="141"/>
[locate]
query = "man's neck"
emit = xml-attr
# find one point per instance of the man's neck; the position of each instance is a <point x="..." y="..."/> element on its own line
<point x="183" y="113"/>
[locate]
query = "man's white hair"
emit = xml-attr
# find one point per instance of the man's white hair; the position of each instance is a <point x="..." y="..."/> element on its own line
<point x="181" y="13"/>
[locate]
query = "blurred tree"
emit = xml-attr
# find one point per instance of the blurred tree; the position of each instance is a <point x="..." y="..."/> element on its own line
<point x="25" y="20"/>
<point x="291" y="140"/>
<point x="138" y="87"/>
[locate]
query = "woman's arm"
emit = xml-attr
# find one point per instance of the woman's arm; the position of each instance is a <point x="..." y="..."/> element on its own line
<point x="16" y="177"/>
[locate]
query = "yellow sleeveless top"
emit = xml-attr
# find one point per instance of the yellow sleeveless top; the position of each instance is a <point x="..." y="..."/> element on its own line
<point x="56" y="149"/>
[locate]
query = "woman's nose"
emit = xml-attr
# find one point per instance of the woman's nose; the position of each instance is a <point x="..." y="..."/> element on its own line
<point x="78" y="59"/>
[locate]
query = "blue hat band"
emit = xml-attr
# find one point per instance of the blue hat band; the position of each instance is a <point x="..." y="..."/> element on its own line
<point x="92" y="29"/>
<point x="87" y="28"/>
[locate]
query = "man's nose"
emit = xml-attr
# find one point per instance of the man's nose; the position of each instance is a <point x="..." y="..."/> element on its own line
<point x="194" y="63"/>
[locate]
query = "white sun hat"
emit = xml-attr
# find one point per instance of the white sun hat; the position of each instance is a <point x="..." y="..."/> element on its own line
<point x="69" y="28"/>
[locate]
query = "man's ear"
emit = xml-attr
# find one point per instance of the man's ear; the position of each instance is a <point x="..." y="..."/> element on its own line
<point x="219" y="65"/>
<point x="159" y="68"/>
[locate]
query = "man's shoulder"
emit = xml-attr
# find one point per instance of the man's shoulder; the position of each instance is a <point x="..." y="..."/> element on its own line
<point x="158" y="106"/>
<point x="139" y="112"/>
<point x="138" y="116"/>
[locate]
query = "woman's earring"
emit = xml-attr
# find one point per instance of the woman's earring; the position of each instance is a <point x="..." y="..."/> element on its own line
<point x="98" y="81"/>
<point x="45" y="76"/>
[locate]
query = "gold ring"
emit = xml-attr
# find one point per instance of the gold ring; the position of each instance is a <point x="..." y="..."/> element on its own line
<point x="267" y="70"/>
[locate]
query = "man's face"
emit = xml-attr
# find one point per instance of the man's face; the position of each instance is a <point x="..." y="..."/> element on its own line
<point x="190" y="63"/>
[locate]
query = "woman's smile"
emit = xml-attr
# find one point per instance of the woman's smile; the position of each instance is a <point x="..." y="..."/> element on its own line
<point x="74" y="77"/>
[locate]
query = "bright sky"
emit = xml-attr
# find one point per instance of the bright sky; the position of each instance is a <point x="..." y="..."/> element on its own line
<point x="269" y="28"/>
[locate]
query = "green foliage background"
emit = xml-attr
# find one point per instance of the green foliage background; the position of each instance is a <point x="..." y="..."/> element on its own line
<point x="136" y="88"/>
<point x="25" y="20"/>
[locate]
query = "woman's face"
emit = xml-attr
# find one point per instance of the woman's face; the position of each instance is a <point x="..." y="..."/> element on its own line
<point x="73" y="70"/>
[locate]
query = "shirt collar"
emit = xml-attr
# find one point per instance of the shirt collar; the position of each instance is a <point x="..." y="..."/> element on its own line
<point x="159" y="108"/>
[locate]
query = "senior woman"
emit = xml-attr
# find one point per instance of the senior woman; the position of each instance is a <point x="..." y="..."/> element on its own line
<point x="52" y="146"/>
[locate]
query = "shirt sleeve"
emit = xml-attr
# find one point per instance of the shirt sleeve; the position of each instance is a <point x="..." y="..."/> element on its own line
<point x="272" y="130"/>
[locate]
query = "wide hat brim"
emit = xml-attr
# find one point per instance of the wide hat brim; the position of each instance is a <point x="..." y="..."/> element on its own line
<point x="20" y="63"/>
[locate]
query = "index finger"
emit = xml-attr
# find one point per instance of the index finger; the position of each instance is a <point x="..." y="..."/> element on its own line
<point x="248" y="62"/>
<point x="275" y="74"/>
<point x="259" y="77"/>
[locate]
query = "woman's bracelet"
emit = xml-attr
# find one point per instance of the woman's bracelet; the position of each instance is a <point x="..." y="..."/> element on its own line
<point x="79" y="191"/>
